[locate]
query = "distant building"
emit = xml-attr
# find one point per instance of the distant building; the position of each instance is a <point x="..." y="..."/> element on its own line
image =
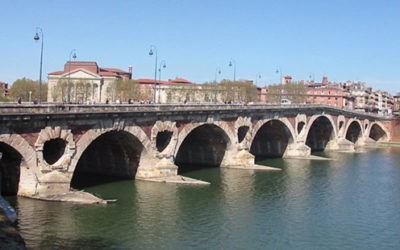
<point x="161" y="88"/>
<point x="94" y="78"/>
<point x="326" y="93"/>
<point x="4" y="87"/>
<point x="396" y="103"/>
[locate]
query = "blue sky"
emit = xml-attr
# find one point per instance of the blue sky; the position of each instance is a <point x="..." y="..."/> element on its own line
<point x="344" y="39"/>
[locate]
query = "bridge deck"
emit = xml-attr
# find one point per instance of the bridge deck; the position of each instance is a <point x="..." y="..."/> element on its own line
<point x="58" y="109"/>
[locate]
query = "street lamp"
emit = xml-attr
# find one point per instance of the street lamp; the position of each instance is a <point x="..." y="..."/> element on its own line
<point x="36" y="38"/>
<point x="233" y="62"/>
<point x="73" y="55"/>
<point x="258" y="76"/>
<point x="152" y="47"/>
<point x="278" y="70"/>
<point x="162" y="66"/>
<point x="217" y="71"/>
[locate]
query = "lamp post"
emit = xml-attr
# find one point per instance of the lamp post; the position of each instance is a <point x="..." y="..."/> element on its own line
<point x="163" y="65"/>
<point x="278" y="70"/>
<point x="258" y="76"/>
<point x="73" y="55"/>
<point x="36" y="38"/>
<point x="217" y="71"/>
<point x="233" y="62"/>
<point x="152" y="47"/>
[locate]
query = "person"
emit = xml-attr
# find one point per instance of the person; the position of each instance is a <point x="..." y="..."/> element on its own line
<point x="19" y="100"/>
<point x="107" y="101"/>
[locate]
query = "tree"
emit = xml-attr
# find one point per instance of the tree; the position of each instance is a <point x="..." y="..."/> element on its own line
<point x="295" y="92"/>
<point x="238" y="91"/>
<point x="22" y="88"/>
<point x="125" y="89"/>
<point x="59" y="91"/>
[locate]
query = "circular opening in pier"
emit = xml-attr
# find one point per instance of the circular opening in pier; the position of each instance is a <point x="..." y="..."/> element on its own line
<point x="320" y="133"/>
<point x="204" y="146"/>
<point x="53" y="150"/>
<point x="163" y="139"/>
<point x="10" y="161"/>
<point x="114" y="155"/>
<point x="242" y="132"/>
<point x="271" y="140"/>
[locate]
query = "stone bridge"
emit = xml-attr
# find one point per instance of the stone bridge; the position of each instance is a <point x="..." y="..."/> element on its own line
<point x="45" y="149"/>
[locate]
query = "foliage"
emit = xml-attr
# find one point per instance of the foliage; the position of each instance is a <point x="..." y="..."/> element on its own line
<point x="22" y="87"/>
<point x="295" y="92"/>
<point x="125" y="89"/>
<point x="59" y="91"/>
<point x="238" y="91"/>
<point x="225" y="91"/>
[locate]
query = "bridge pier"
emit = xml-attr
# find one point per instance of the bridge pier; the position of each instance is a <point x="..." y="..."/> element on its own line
<point x="365" y="142"/>
<point x="157" y="168"/>
<point x="340" y="145"/>
<point x="297" y="150"/>
<point x="238" y="157"/>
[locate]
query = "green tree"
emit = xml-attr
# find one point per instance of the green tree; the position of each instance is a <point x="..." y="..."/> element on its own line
<point x="295" y="92"/>
<point x="238" y="91"/>
<point x="22" y="87"/>
<point x="125" y="89"/>
<point x="59" y="91"/>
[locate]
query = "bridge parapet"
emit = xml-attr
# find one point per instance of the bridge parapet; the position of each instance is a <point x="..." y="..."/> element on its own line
<point x="11" y="109"/>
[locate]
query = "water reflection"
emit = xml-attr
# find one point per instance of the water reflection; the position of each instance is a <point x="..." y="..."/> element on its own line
<point x="351" y="202"/>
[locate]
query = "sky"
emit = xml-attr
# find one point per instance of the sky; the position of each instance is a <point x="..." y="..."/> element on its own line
<point x="355" y="40"/>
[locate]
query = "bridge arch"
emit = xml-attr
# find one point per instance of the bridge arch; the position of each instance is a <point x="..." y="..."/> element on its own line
<point x="203" y="145"/>
<point x="378" y="132"/>
<point x="320" y="130"/>
<point x="110" y="152"/>
<point x="354" y="130"/>
<point x="271" y="138"/>
<point x="18" y="164"/>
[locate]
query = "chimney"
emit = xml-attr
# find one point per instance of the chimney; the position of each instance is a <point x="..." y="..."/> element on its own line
<point x="325" y="80"/>
<point x="130" y="69"/>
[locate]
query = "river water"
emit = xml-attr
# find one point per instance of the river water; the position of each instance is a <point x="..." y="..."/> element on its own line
<point x="352" y="202"/>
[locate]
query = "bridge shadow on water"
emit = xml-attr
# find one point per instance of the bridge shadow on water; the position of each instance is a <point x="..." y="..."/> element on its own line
<point x="84" y="180"/>
<point x="188" y="168"/>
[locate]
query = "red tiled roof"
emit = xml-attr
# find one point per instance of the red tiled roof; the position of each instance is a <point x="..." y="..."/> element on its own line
<point x="92" y="67"/>
<point x="107" y="73"/>
<point x="57" y="73"/>
<point x="115" y="70"/>
<point x="179" y="80"/>
<point x="150" y="81"/>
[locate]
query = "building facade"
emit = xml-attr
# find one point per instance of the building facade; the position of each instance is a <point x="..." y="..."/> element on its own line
<point x="4" y="89"/>
<point x="83" y="81"/>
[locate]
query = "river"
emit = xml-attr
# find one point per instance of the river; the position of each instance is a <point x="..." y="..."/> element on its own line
<point x="352" y="202"/>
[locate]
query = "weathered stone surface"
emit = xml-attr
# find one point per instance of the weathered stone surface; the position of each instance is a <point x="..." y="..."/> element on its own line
<point x="340" y="144"/>
<point x="79" y="197"/>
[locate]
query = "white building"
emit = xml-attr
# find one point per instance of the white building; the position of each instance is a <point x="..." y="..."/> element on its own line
<point x="87" y="81"/>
